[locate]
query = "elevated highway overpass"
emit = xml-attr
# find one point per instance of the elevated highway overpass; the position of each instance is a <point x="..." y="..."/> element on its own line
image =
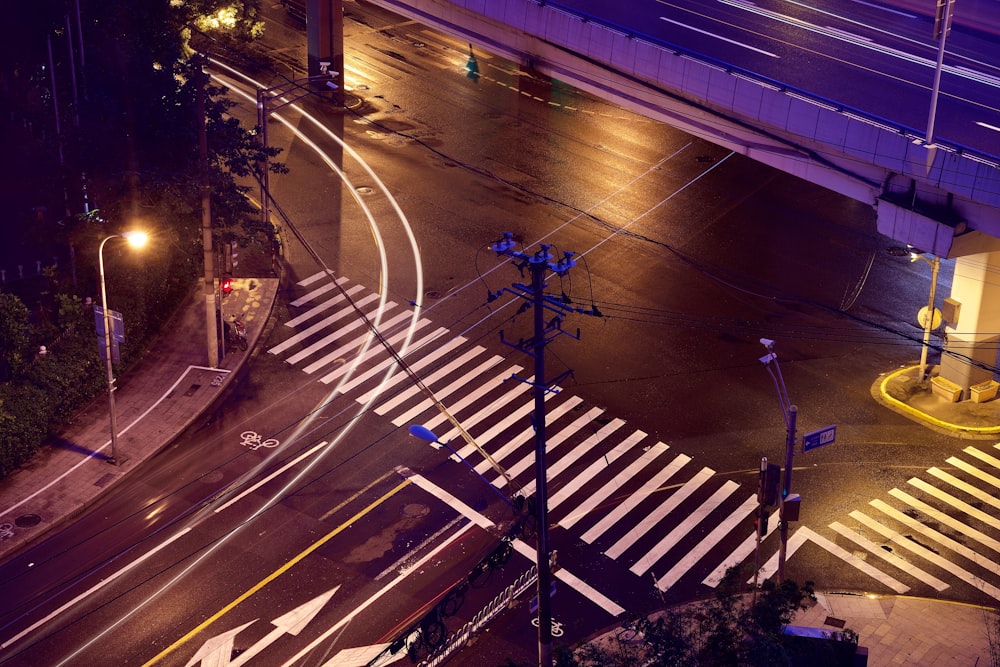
<point x="942" y="198"/>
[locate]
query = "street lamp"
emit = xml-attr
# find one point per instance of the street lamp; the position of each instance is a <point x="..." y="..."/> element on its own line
<point x="927" y="314"/>
<point x="424" y="433"/>
<point x="136" y="239"/>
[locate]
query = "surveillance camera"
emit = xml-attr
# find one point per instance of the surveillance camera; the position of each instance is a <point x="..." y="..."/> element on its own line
<point x="767" y="342"/>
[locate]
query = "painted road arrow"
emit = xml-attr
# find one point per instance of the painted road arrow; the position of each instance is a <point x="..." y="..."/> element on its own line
<point x="218" y="651"/>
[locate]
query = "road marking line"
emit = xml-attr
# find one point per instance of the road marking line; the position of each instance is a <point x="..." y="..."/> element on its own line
<point x="472" y="397"/>
<point x="719" y="37"/>
<point x="739" y="554"/>
<point x="637" y="497"/>
<point x="960" y="484"/>
<point x="552" y="414"/>
<point x="429" y="380"/>
<point x="345" y="349"/>
<point x="927" y="554"/>
<point x="450" y="500"/>
<point x="959" y="548"/>
<point x="104" y="582"/>
<point x="666" y="507"/>
<point x="319" y="275"/>
<point x="325" y="305"/>
<point x="669" y="541"/>
<point x="956" y="503"/>
<point x="352" y="322"/>
<point x="709" y="542"/>
<point x="376" y="350"/>
<point x="420" y="364"/>
<point x="280" y="571"/>
<point x="592" y="501"/>
<point x="889" y="557"/>
<point x="291" y="464"/>
<point x="594" y="469"/>
<point x="441" y="394"/>
<point x="983" y="456"/>
<point x="302" y="334"/>
<point x="946" y="519"/>
<point x="846" y="556"/>
<point x="553" y="441"/>
<point x="975" y="472"/>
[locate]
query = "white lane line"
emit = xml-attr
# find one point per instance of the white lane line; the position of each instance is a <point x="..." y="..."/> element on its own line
<point x="928" y="555"/>
<point x="637" y="497"/>
<point x="982" y="561"/>
<point x="599" y="496"/>
<point x="739" y="554"/>
<point x="803" y="533"/>
<point x="552" y="414"/>
<point x="565" y="462"/>
<point x="889" y="557"/>
<point x="649" y="521"/>
<point x="719" y="37"/>
<point x="319" y="275"/>
<point x="946" y="519"/>
<point x="691" y="558"/>
<point x="974" y="471"/>
<point x="104" y="582"/>
<point x="291" y="464"/>
<point x="574" y="582"/>
<point x="963" y="506"/>
<point x="377" y="350"/>
<point x="959" y="484"/>
<point x="413" y="390"/>
<point x="325" y="305"/>
<point x="988" y="126"/>
<point x="520" y="413"/>
<point x="460" y="384"/>
<point x="472" y="397"/>
<point x="473" y="420"/>
<point x="551" y="442"/>
<point x="344" y="329"/>
<point x="595" y="468"/>
<point x="318" y="326"/>
<point x="344" y="351"/>
<point x="433" y="378"/>
<point x="418" y="365"/>
<point x="453" y="502"/>
<point x="333" y="629"/>
<point x="670" y="540"/>
<point x="982" y="456"/>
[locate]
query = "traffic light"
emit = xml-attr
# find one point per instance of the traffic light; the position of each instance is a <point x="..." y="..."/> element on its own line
<point x="760" y="523"/>
<point x="770" y="484"/>
<point x="226" y="285"/>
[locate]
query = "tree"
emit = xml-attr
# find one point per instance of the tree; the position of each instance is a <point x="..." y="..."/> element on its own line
<point x="733" y="628"/>
<point x="14" y="339"/>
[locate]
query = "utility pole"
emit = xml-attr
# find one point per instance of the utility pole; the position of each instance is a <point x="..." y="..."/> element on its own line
<point x="538" y="265"/>
<point x="211" y="328"/>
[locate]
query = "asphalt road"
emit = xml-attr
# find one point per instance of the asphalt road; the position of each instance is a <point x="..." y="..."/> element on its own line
<point x="690" y="254"/>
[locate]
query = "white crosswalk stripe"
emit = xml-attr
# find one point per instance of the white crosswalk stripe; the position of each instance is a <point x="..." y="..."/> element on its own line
<point x="623" y="496"/>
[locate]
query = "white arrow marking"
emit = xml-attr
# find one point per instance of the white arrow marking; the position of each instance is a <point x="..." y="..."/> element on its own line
<point x="217" y="651"/>
<point x="361" y="656"/>
<point x="291" y="623"/>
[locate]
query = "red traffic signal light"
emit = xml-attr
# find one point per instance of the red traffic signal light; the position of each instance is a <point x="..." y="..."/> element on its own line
<point x="227" y="286"/>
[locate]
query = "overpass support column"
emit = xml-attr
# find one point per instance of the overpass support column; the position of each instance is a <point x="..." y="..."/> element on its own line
<point x="974" y="339"/>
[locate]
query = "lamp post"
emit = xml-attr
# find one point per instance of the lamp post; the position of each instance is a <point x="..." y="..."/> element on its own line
<point x="928" y="313"/>
<point x="136" y="239"/>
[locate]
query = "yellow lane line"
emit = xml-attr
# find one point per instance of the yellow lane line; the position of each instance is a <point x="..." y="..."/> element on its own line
<point x="281" y="570"/>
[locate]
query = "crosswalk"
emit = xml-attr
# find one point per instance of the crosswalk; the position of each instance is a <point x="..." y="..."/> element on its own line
<point x="638" y="502"/>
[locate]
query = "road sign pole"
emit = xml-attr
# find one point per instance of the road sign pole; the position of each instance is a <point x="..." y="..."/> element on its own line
<point x="786" y="489"/>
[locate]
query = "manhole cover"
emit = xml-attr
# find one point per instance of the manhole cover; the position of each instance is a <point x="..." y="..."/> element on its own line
<point x="433" y="294"/>
<point x="27" y="520"/>
<point x="414" y="510"/>
<point x="897" y="251"/>
<point x="364" y="190"/>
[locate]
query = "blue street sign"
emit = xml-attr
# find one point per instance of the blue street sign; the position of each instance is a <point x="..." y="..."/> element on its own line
<point x="818" y="438"/>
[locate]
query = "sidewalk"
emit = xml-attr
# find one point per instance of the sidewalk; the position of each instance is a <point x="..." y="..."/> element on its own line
<point x="155" y="402"/>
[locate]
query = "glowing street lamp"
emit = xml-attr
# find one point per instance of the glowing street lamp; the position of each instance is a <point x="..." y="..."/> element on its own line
<point x="136" y="239"/>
